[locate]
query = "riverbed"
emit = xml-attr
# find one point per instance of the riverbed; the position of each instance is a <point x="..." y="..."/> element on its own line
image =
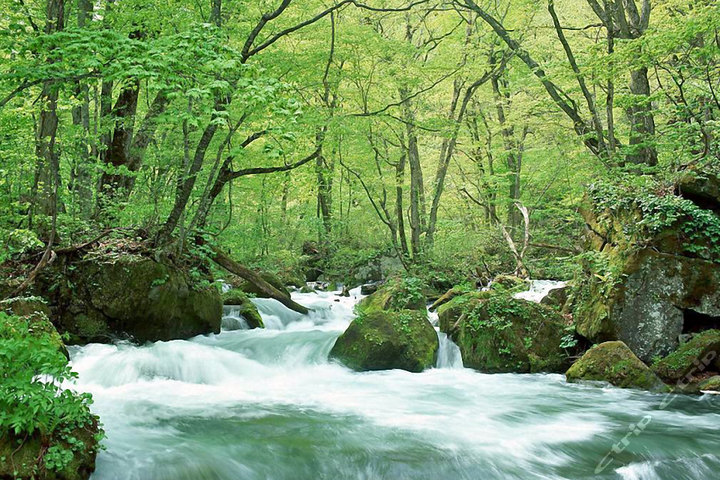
<point x="268" y="404"/>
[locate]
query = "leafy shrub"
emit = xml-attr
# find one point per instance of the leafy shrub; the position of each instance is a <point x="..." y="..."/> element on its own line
<point x="33" y="402"/>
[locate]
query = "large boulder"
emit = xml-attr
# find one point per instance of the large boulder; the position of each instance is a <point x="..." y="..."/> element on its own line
<point x="652" y="273"/>
<point x="236" y="298"/>
<point x="695" y="358"/>
<point x="101" y="297"/>
<point x="394" y="295"/>
<point x="615" y="363"/>
<point x="497" y="333"/>
<point x="379" y="340"/>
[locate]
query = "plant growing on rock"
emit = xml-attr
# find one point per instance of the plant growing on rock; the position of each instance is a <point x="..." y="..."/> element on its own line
<point x="44" y="426"/>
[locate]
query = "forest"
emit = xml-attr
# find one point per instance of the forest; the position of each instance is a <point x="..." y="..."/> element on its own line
<point x="215" y="213"/>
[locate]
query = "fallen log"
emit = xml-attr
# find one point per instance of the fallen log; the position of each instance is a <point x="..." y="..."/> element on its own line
<point x="233" y="267"/>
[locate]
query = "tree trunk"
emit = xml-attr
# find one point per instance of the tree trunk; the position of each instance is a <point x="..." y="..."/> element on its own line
<point x="399" y="209"/>
<point x="417" y="194"/>
<point x="118" y="147"/>
<point x="233" y="267"/>
<point x="47" y="175"/>
<point x="83" y="168"/>
<point x="642" y="122"/>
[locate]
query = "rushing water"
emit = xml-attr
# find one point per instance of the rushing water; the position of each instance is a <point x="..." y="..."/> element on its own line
<point x="267" y="404"/>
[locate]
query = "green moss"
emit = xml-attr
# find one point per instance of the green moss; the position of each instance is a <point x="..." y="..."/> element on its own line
<point x="711" y="384"/>
<point x="395" y="295"/>
<point x="382" y="340"/>
<point x="103" y="295"/>
<point x="615" y="363"/>
<point x="689" y="357"/>
<point x="30" y="457"/>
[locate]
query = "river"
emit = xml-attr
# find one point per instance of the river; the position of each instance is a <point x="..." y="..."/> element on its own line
<point x="267" y="404"/>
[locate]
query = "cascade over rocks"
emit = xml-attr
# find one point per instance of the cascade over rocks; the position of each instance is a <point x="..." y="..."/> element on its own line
<point x="615" y="363"/>
<point x="104" y="295"/>
<point x="654" y="273"/>
<point x="238" y="298"/>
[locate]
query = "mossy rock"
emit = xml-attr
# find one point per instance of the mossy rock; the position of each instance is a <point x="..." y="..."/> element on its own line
<point x="270" y="278"/>
<point x="698" y="355"/>
<point x="395" y="295"/>
<point x="451" y="311"/>
<point x="615" y="363"/>
<point x="101" y="298"/>
<point x="509" y="282"/>
<point x="557" y="297"/>
<point x="641" y="298"/>
<point x="307" y="289"/>
<point x="711" y="384"/>
<point x="381" y="340"/>
<point x="648" y="266"/>
<point x="238" y="298"/>
<point x="36" y="312"/>
<point x="24" y="458"/>
<point x="497" y="333"/>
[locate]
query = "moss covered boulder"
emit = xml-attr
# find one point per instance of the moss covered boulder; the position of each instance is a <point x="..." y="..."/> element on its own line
<point x="701" y="354"/>
<point x="448" y="296"/>
<point x="102" y="297"/>
<point x="497" y="333"/>
<point x="710" y="385"/>
<point x="652" y="273"/>
<point x="615" y="363"/>
<point x="394" y="295"/>
<point x="236" y="298"/>
<point x="380" y="340"/>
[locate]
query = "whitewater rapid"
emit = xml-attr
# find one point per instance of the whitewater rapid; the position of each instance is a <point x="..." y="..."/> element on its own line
<point x="267" y="404"/>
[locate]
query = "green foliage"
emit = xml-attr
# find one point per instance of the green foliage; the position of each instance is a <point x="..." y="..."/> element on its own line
<point x="660" y="210"/>
<point x="34" y="398"/>
<point x="406" y="291"/>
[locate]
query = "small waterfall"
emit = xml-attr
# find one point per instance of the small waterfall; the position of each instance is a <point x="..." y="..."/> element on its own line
<point x="449" y="355"/>
<point x="539" y="289"/>
<point x="232" y="319"/>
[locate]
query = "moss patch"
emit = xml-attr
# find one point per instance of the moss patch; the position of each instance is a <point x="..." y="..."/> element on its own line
<point x="395" y="295"/>
<point x="696" y="356"/>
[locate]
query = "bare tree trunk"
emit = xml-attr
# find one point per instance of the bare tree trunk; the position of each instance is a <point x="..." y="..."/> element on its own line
<point x="417" y="194"/>
<point x="642" y="121"/>
<point x="399" y="209"/>
<point x="233" y="267"/>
